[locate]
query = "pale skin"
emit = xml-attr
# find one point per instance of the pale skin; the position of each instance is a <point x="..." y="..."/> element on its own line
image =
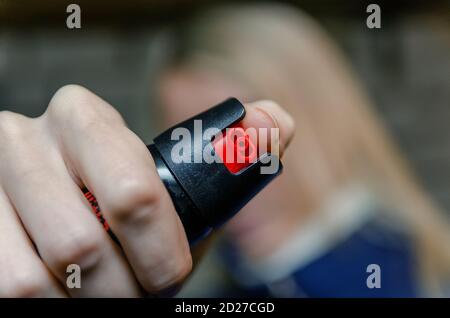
<point x="47" y="224"/>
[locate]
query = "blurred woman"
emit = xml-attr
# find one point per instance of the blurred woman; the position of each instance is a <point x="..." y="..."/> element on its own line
<point x="346" y="208"/>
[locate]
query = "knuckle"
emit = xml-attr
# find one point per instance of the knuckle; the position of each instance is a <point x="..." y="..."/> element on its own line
<point x="7" y="116"/>
<point x="11" y="124"/>
<point x="68" y="101"/>
<point x="78" y="104"/>
<point x="134" y="200"/>
<point x="26" y="285"/>
<point x="172" y="274"/>
<point x="83" y="249"/>
<point x="70" y="92"/>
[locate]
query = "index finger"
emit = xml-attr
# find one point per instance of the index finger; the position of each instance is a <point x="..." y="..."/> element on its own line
<point x="117" y="167"/>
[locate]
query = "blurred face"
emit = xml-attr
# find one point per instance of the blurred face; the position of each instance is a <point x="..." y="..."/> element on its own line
<point x="184" y="93"/>
<point x="269" y="219"/>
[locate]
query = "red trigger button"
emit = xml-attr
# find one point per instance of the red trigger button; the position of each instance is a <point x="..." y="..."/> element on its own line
<point x="243" y="152"/>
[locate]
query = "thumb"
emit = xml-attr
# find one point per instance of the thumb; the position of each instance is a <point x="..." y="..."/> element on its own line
<point x="268" y="114"/>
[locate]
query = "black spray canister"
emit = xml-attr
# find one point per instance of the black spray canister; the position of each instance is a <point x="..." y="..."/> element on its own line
<point x="205" y="195"/>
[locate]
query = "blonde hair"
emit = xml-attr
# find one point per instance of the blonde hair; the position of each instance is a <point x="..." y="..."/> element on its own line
<point x="284" y="55"/>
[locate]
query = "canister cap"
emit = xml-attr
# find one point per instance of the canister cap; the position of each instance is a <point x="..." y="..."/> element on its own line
<point x="217" y="189"/>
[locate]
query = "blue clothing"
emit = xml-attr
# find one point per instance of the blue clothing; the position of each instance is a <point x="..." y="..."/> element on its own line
<point x="341" y="271"/>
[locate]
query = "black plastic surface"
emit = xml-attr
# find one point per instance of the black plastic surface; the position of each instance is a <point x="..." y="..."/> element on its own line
<point x="207" y="194"/>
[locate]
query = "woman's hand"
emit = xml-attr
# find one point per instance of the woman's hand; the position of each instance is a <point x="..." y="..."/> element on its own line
<point x="46" y="223"/>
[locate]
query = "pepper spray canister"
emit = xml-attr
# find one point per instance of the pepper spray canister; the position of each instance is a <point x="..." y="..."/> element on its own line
<point x="206" y="194"/>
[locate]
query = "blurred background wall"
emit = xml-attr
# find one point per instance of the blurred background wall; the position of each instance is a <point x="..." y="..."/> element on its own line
<point x="404" y="66"/>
